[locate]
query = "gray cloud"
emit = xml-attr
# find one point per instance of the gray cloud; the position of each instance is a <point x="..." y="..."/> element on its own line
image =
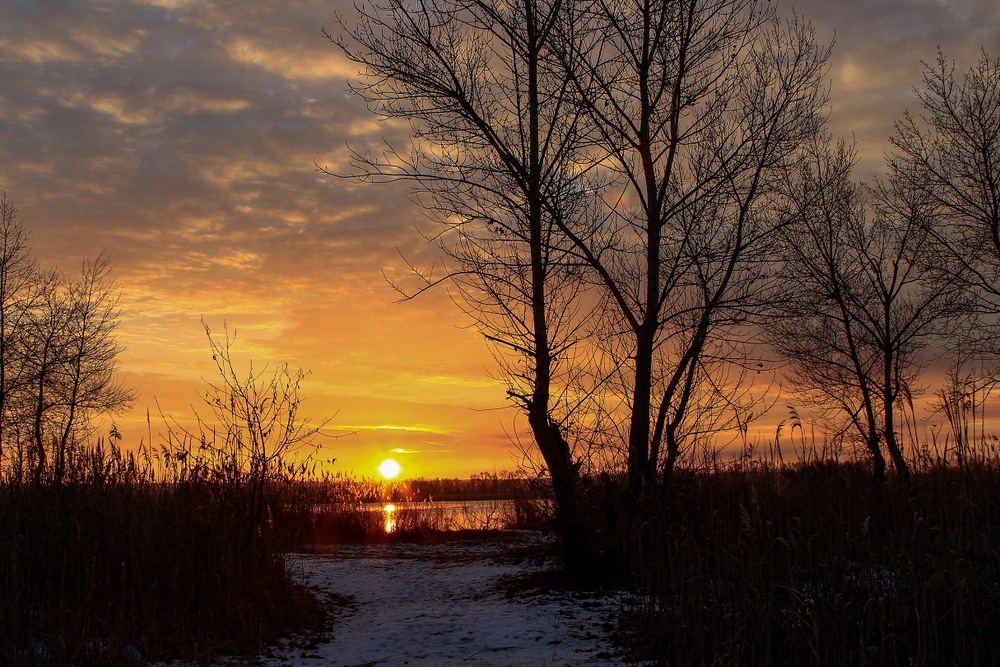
<point x="877" y="55"/>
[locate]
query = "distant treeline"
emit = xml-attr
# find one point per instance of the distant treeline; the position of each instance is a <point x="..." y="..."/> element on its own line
<point x="346" y="490"/>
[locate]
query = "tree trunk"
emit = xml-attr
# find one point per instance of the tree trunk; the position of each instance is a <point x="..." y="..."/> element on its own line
<point x="641" y="475"/>
<point x="565" y="476"/>
<point x="895" y="453"/>
<point x="890" y="391"/>
<point x="878" y="460"/>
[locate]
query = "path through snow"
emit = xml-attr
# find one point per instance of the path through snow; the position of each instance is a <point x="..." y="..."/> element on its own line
<point x="437" y="605"/>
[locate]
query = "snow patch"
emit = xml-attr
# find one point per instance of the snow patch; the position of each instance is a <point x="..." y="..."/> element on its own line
<point x="444" y="604"/>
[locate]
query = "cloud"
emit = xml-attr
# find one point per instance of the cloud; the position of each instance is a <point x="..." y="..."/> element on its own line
<point x="408" y="428"/>
<point x="877" y="55"/>
<point x="182" y="137"/>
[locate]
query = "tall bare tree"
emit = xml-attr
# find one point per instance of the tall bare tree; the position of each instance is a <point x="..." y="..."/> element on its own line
<point x="493" y="155"/>
<point x="695" y="111"/>
<point x="951" y="153"/>
<point x="89" y="383"/>
<point x="58" y="354"/>
<point x="42" y="357"/>
<point x="863" y="300"/>
<point x="18" y="295"/>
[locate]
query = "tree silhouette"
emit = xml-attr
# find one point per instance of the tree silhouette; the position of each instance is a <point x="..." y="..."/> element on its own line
<point x="19" y="292"/>
<point x="494" y="158"/>
<point x="59" y="354"/>
<point x="607" y="177"/>
<point x="951" y="153"/>
<point x="695" y="111"/>
<point x="862" y="299"/>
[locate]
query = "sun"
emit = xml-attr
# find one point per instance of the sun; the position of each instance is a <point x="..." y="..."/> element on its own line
<point x="389" y="469"/>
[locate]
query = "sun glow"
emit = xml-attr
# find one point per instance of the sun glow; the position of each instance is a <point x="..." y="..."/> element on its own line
<point x="389" y="469"/>
<point x="390" y="517"/>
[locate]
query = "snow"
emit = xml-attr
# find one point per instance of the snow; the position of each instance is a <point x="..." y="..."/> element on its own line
<point x="445" y="604"/>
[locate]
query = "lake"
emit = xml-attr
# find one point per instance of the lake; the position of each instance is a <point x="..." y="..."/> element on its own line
<point x="447" y="514"/>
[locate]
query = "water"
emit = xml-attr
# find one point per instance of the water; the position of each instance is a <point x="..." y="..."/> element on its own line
<point x="447" y="515"/>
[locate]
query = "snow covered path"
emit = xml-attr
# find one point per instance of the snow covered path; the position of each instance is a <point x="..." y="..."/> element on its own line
<point x="442" y="605"/>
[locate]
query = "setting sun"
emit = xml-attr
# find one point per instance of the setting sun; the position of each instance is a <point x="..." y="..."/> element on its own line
<point x="389" y="469"/>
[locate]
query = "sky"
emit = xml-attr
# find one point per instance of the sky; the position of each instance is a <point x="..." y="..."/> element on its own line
<point x="182" y="138"/>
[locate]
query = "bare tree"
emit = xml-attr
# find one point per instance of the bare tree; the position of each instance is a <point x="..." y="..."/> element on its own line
<point x="18" y="295"/>
<point x="951" y="153"/>
<point x="494" y="158"/>
<point x="696" y="109"/>
<point x="255" y="428"/>
<point x="675" y="121"/>
<point x="42" y="357"/>
<point x="88" y="381"/>
<point x="58" y="360"/>
<point x="862" y="301"/>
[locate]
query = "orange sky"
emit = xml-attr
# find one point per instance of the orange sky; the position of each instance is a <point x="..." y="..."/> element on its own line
<point x="181" y="136"/>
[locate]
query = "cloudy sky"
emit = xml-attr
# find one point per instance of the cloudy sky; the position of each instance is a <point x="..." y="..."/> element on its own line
<point x="182" y="137"/>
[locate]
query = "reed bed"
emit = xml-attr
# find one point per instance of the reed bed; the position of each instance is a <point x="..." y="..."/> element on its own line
<point x="815" y="565"/>
<point x="117" y="565"/>
<point x="139" y="557"/>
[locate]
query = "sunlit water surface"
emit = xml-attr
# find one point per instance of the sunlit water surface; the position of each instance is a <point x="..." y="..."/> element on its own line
<point x="446" y="515"/>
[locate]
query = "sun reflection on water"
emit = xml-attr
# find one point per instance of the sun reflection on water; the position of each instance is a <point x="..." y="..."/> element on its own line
<point x="390" y="517"/>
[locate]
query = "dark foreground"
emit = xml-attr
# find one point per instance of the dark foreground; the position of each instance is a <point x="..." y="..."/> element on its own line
<point x="817" y="566"/>
<point x="809" y="566"/>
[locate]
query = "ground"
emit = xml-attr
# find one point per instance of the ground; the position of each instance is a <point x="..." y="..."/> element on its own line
<point x="463" y="602"/>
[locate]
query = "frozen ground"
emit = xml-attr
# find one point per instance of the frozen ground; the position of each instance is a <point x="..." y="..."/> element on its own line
<point x="446" y="604"/>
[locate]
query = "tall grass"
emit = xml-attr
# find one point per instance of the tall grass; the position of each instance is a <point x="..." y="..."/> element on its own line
<point x="116" y="565"/>
<point x="814" y="565"/>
